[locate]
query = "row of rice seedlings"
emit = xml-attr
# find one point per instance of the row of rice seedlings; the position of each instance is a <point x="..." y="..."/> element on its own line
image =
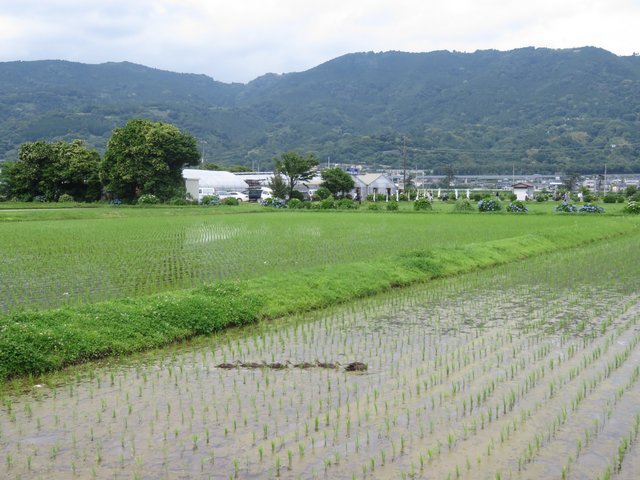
<point x="182" y="414"/>
<point x="489" y="417"/>
<point x="626" y="441"/>
<point x="537" y="407"/>
<point x="608" y="402"/>
<point x="129" y="407"/>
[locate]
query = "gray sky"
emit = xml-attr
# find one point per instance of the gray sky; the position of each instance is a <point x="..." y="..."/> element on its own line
<point x="237" y="41"/>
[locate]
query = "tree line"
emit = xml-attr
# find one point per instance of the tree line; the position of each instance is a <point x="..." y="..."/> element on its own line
<point x="143" y="157"/>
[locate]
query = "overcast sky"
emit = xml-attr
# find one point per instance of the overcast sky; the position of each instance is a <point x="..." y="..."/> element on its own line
<point x="237" y="41"/>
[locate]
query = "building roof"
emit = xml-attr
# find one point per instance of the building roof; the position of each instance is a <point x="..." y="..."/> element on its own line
<point x="218" y="179"/>
<point x="369" y="178"/>
<point x="522" y="185"/>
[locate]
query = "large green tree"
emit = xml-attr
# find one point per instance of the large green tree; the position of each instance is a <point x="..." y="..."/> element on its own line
<point x="49" y="170"/>
<point x="296" y="168"/>
<point x="337" y="181"/>
<point x="146" y="157"/>
<point x="78" y="171"/>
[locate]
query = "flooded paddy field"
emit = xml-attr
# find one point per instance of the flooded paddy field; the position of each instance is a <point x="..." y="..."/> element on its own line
<point x="116" y="254"/>
<point x="528" y="370"/>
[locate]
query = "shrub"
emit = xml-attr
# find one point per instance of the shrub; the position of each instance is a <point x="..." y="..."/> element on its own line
<point x="294" y="203"/>
<point x="373" y="206"/>
<point x="210" y="200"/>
<point x="489" y="205"/>
<point x="392" y="206"/>
<point x="541" y="197"/>
<point x="65" y="198"/>
<point x="517" y="206"/>
<point x="612" y="198"/>
<point x="327" y="203"/>
<point x="589" y="197"/>
<point x="378" y="198"/>
<point x="148" y="199"/>
<point x="565" y="207"/>
<point x="632" y="207"/>
<point x="230" y="201"/>
<point x="322" y="193"/>
<point x="589" y="208"/>
<point x="346" y="204"/>
<point x="422" y="204"/>
<point x="464" y="205"/>
<point x="296" y="194"/>
<point x="297" y="204"/>
<point x="274" y="202"/>
<point x="476" y="196"/>
<point x="635" y="197"/>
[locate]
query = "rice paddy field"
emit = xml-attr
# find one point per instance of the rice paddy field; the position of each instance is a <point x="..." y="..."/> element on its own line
<point x="524" y="370"/>
<point x="55" y="258"/>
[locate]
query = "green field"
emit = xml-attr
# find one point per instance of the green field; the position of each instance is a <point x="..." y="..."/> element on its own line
<point x="77" y="256"/>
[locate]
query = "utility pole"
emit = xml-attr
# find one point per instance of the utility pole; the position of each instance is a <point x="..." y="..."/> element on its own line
<point x="604" y="184"/>
<point x="404" y="164"/>
<point x="202" y="143"/>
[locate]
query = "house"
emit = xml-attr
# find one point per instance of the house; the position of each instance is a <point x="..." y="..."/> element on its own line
<point x="523" y="191"/>
<point x="207" y="182"/>
<point x="373" y="184"/>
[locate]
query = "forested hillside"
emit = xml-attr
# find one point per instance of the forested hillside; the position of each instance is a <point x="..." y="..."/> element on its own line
<point x="539" y="110"/>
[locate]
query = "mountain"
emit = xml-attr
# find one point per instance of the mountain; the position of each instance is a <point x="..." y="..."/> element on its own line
<point x="538" y="110"/>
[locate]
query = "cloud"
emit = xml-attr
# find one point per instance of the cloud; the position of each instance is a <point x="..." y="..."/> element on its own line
<point x="238" y="41"/>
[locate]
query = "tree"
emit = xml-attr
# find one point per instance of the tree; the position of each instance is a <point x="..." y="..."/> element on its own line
<point x="146" y="157"/>
<point x="449" y="176"/>
<point x="29" y="177"/>
<point x="296" y="168"/>
<point x="337" y="181"/>
<point x="6" y="178"/>
<point x="48" y="170"/>
<point x="77" y="171"/>
<point x="572" y="180"/>
<point x="278" y="187"/>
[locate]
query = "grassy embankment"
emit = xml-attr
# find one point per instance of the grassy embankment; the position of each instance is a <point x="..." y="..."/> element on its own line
<point x="36" y="342"/>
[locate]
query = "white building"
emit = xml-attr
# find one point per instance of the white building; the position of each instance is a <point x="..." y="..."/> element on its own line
<point x="374" y="184"/>
<point x="207" y="182"/>
<point x="523" y="191"/>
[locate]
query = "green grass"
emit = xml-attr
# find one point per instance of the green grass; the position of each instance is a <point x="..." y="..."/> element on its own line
<point x="308" y="261"/>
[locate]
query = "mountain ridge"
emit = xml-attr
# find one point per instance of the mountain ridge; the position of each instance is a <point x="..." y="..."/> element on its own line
<point x="545" y="110"/>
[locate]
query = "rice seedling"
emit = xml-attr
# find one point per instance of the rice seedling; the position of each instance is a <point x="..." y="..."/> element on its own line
<point x="457" y="370"/>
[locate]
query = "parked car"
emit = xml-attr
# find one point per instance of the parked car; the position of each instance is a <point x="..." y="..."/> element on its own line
<point x="259" y="194"/>
<point x="205" y="192"/>
<point x="266" y="193"/>
<point x="240" y="196"/>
